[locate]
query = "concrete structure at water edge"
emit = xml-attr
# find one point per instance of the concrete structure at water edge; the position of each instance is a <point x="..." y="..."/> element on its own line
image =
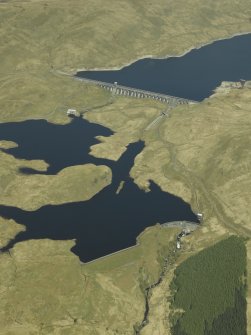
<point x="72" y="112"/>
<point x="200" y="217"/>
<point x="116" y="89"/>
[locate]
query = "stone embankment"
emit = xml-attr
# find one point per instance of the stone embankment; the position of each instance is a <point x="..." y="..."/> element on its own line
<point x="116" y="89"/>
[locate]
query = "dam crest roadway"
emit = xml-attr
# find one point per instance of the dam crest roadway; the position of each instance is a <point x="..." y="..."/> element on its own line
<point x="116" y="89"/>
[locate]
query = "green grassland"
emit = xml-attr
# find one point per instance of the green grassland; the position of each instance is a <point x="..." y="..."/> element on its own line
<point x="249" y="283"/>
<point x="76" y="183"/>
<point x="201" y="152"/>
<point x="45" y="290"/>
<point x="209" y="291"/>
<point x="200" y="155"/>
<point x="8" y="229"/>
<point x="39" y="39"/>
<point x="207" y="155"/>
<point x="89" y="34"/>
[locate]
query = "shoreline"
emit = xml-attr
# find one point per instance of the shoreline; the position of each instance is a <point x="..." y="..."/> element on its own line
<point x="166" y="225"/>
<point x="117" y="68"/>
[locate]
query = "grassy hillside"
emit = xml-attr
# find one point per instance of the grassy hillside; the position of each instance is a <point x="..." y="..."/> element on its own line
<point x="45" y="290"/>
<point x="76" y="183"/>
<point x="88" y="34"/>
<point x="200" y="154"/>
<point x="206" y="157"/>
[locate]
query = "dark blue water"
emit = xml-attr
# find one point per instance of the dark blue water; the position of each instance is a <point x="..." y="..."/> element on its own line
<point x="193" y="76"/>
<point x="106" y="223"/>
<point x="58" y="145"/>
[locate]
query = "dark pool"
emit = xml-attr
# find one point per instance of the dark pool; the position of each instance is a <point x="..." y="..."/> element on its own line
<point x="60" y="146"/>
<point x="193" y="76"/>
<point x="106" y="223"/>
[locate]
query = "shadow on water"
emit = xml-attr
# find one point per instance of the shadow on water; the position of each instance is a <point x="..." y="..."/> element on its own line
<point x="193" y="76"/>
<point x="106" y="223"/>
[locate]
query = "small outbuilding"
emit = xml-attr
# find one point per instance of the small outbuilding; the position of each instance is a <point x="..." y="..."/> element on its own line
<point x="72" y="112"/>
<point x="200" y="216"/>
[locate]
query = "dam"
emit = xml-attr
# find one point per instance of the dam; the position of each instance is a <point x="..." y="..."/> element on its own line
<point x="116" y="89"/>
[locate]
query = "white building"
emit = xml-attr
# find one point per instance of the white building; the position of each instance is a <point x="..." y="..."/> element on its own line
<point x="72" y="112"/>
<point x="200" y="216"/>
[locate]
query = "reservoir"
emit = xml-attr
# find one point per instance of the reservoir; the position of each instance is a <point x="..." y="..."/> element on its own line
<point x="109" y="221"/>
<point x="193" y="76"/>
